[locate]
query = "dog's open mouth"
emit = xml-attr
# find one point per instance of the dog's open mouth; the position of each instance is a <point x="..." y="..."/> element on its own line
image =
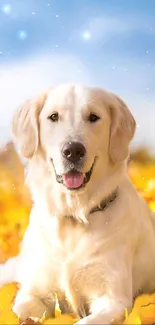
<point x="75" y="179"/>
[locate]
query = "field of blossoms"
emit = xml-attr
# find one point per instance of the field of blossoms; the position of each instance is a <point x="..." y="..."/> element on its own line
<point x="15" y="205"/>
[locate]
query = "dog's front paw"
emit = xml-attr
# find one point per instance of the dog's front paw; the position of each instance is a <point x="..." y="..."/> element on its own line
<point x="28" y="306"/>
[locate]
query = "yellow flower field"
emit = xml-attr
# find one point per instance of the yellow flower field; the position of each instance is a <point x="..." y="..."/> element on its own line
<point x="15" y="205"/>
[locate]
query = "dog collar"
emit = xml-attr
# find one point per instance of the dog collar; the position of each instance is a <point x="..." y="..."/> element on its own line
<point x="104" y="204"/>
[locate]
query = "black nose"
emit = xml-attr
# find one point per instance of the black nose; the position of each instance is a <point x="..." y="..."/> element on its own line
<point x="73" y="151"/>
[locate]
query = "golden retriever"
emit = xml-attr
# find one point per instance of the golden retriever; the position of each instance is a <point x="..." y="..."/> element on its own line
<point x="91" y="237"/>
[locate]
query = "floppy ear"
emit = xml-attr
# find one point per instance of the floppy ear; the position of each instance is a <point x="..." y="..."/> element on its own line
<point x="25" y="126"/>
<point x="123" y="127"/>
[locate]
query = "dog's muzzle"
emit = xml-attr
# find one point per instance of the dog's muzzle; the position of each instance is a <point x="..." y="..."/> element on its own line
<point x="74" y="179"/>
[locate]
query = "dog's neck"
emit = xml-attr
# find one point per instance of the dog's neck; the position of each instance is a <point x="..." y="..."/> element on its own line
<point x="103" y="205"/>
<point x="106" y="202"/>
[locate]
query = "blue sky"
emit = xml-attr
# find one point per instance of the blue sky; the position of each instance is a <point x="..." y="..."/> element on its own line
<point x="110" y="43"/>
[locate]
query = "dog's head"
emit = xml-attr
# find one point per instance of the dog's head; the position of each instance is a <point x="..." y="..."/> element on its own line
<point x="79" y="130"/>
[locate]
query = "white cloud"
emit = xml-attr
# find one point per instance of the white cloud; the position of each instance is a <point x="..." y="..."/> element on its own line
<point x="101" y="27"/>
<point x="20" y="81"/>
<point x="143" y="109"/>
<point x="104" y="27"/>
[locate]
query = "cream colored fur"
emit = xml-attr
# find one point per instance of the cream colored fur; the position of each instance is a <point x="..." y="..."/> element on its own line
<point x="101" y="261"/>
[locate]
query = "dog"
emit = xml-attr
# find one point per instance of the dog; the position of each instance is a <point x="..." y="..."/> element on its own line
<point x="91" y="236"/>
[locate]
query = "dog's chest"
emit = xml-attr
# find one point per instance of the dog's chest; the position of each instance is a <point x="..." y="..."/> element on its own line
<point x="70" y="233"/>
<point x="67" y="239"/>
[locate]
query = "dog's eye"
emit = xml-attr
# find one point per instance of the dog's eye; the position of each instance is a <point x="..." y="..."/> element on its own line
<point x="54" y="117"/>
<point x="93" y="118"/>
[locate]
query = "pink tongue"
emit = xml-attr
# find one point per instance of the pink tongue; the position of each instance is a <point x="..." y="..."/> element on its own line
<point x="73" y="180"/>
